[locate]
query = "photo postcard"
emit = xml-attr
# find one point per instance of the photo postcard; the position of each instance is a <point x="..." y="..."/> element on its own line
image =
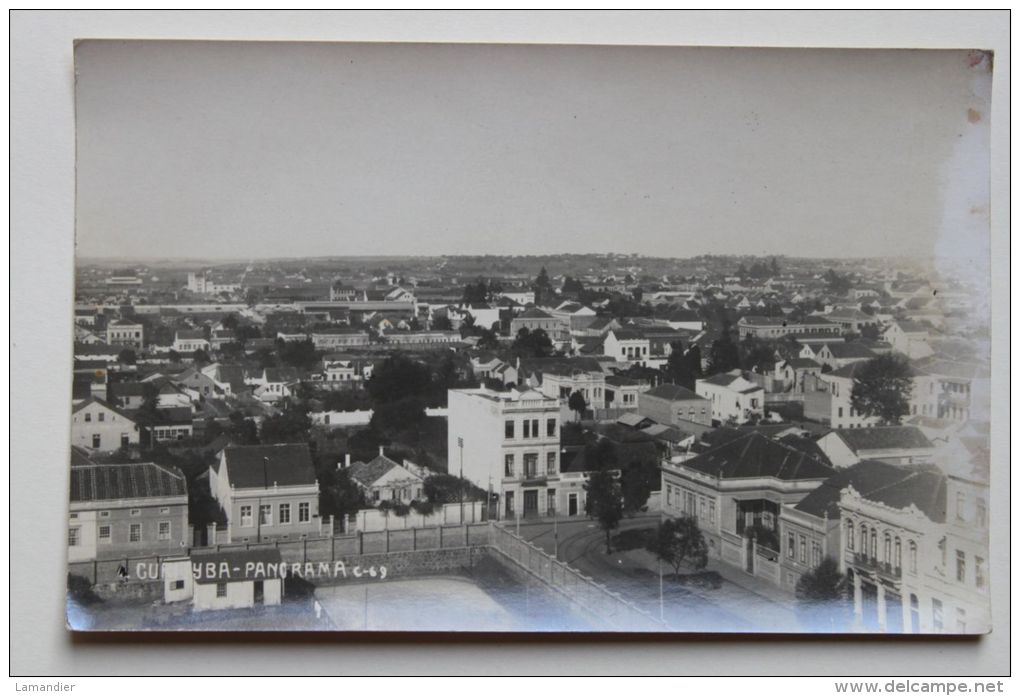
<point x="530" y="338"/>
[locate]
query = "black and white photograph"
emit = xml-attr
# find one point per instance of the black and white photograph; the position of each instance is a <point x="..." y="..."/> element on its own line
<point x="408" y="337"/>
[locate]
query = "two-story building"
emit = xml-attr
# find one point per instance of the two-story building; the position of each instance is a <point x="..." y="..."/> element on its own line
<point x="893" y="444"/>
<point x="126" y="334"/>
<point x="125" y="510"/>
<point x="509" y="443"/>
<point x="100" y="427"/>
<point x="671" y="404"/>
<point x="267" y="492"/>
<point x="627" y="346"/>
<point x="733" y="397"/>
<point x="189" y="340"/>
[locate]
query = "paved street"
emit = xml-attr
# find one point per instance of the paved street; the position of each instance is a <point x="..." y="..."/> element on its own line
<point x="635" y="575"/>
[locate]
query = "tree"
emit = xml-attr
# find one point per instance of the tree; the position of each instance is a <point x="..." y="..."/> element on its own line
<point x="577" y="403"/>
<point x="683" y="368"/>
<point x="441" y="322"/>
<point x="127" y="357"/>
<point x="339" y="496"/>
<point x="603" y="499"/>
<point x="838" y="284"/>
<point x="173" y="356"/>
<point x="542" y="287"/>
<point x="243" y="430"/>
<point x="680" y="540"/>
<point x="774" y="267"/>
<point x="637" y="483"/>
<point x="394" y="417"/>
<point x="200" y="357"/>
<point x="532" y="344"/>
<point x="290" y="426"/>
<point x="399" y="377"/>
<point x="756" y="354"/>
<point x="821" y="597"/>
<point x="299" y="354"/>
<point x="441" y="489"/>
<point x="883" y="387"/>
<point x="724" y="354"/>
<point x="475" y="293"/>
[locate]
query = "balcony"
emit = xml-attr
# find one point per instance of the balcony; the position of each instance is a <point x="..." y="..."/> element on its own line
<point x="888" y="570"/>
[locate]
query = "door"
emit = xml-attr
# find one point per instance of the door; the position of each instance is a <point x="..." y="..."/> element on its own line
<point x="572" y="504"/>
<point x="749" y="555"/>
<point x="259" y="592"/>
<point x="530" y="503"/>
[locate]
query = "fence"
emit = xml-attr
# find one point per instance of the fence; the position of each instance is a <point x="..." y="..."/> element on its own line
<point x="397" y="547"/>
<point x="586" y="594"/>
<point x="317" y="550"/>
<point x="376" y="520"/>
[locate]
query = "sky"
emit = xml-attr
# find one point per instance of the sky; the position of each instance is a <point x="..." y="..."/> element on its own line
<point x="256" y="150"/>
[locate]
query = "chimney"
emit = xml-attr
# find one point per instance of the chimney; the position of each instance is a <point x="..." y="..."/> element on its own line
<point x="347" y="460"/>
<point x="381" y="453"/>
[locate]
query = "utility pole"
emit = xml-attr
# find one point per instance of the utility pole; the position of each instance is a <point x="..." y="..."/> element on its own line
<point x="556" y="532"/>
<point x="460" y="445"/>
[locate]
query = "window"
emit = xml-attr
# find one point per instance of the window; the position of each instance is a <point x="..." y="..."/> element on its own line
<point x="164" y="511"/>
<point x="791" y="543"/>
<point x="912" y="554"/>
<point x="74" y="536"/>
<point x="304" y="512"/>
<point x="711" y="511"/>
<point x="527" y="429"/>
<point x="135" y="533"/>
<point x="246" y="518"/>
<point x="887" y="548"/>
<point x="135" y="512"/>
<point x="531" y="465"/>
<point x="550" y="427"/>
<point x="850" y="534"/>
<point x="508" y="466"/>
<point x="534" y="428"/>
<point x="669" y="495"/>
<point x="874" y="544"/>
<point x="178" y="585"/>
<point x="104" y="513"/>
<point x="898" y="554"/>
<point x="508" y="430"/>
<point x="221" y="589"/>
<point x="961" y="620"/>
<point x="979" y="571"/>
<point x="96" y="440"/>
<point x="961" y="566"/>
<point x="284" y="513"/>
<point x="104" y="534"/>
<point x="265" y="514"/>
<point x="164" y="530"/>
<point x="936" y="614"/>
<point x="803" y="550"/>
<point x="550" y="463"/>
<point x="550" y="501"/>
<point x="102" y="417"/>
<point x="88" y="417"/>
<point x="816" y="554"/>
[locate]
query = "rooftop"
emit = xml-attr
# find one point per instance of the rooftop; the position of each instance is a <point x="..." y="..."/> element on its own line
<point x="97" y="482"/>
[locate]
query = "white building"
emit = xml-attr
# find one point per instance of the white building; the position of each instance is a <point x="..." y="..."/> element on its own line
<point x="733" y="397"/>
<point x="122" y="332"/>
<point x="188" y="341"/>
<point x="627" y="346"/>
<point x="509" y="442"/>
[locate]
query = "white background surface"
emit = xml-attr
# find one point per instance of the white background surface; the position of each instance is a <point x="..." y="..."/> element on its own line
<point x="42" y="198"/>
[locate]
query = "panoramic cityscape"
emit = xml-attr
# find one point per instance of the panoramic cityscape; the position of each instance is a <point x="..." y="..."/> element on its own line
<point x="396" y="337"/>
<point x="587" y="442"/>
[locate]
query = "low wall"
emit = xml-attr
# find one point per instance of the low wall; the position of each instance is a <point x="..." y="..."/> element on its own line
<point x="378" y="520"/>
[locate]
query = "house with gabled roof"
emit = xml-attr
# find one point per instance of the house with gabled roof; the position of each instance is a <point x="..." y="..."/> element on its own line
<point x="893" y="444"/>
<point x="534" y="318"/>
<point x="382" y="479"/>
<point x="98" y="426"/>
<point x="267" y="492"/>
<point x="910" y="338"/>
<point x="672" y="404"/>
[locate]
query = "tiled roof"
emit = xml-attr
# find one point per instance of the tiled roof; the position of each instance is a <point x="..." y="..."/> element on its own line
<point x="883" y="437"/>
<point x="281" y="374"/>
<point x="534" y="313"/>
<point x="925" y="489"/>
<point x="755" y="455"/>
<point x="865" y="476"/>
<point x="96" y="400"/>
<point x="190" y="335"/>
<point x="673" y="392"/>
<point x="850" y="350"/>
<point x="262" y="466"/>
<point x="367" y="473"/>
<point x="96" y="482"/>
